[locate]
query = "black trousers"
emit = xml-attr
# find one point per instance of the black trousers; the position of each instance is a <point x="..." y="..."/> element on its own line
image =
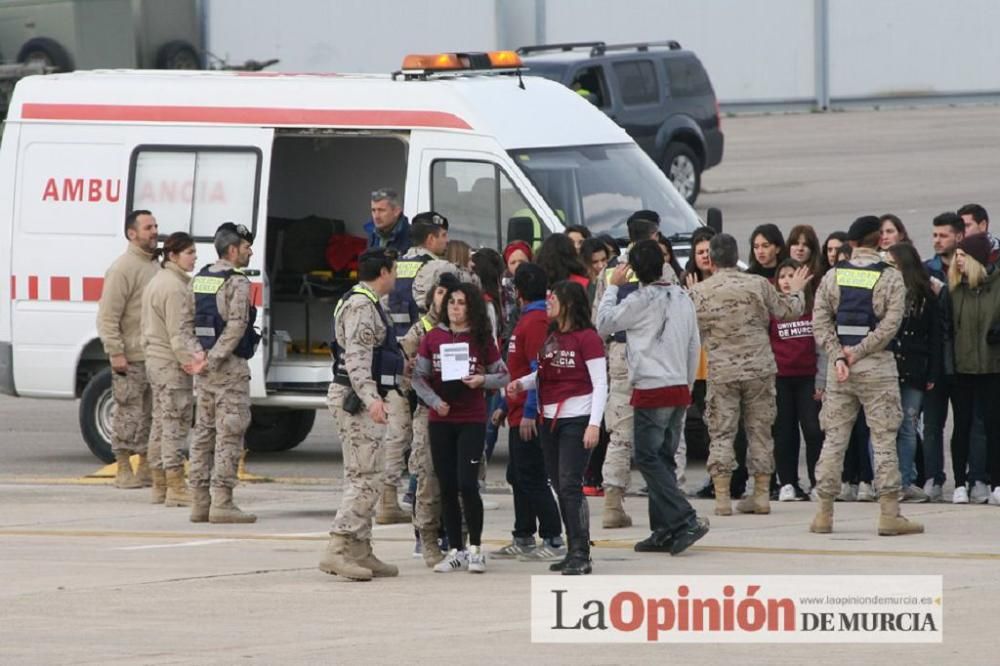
<point x="796" y="407"/>
<point x="974" y="393"/>
<point x="858" y="460"/>
<point x="457" y="452"/>
<point x="534" y="504"/>
<point x="565" y="460"/>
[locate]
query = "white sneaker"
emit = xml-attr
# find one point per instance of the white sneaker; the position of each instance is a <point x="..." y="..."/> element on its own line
<point x="865" y="492"/>
<point x="933" y="491"/>
<point x="477" y="560"/>
<point x="490" y="505"/>
<point x="912" y="494"/>
<point x="980" y="493"/>
<point x="787" y="493"/>
<point x="848" y="493"/>
<point x="960" y="496"/>
<point x="457" y="560"/>
<point x="813" y="494"/>
<point x="995" y="497"/>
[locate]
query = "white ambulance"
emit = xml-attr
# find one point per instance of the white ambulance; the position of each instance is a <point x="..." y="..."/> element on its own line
<point x="296" y="158"/>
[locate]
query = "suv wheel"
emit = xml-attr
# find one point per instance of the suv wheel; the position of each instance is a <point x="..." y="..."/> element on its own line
<point x="96" y="411"/>
<point x="683" y="168"/>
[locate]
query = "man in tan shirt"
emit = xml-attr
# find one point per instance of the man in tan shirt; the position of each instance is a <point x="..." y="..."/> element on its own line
<point x="119" y="324"/>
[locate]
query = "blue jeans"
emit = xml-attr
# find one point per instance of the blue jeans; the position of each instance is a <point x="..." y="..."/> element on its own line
<point x="911" y="400"/>
<point x="657" y="432"/>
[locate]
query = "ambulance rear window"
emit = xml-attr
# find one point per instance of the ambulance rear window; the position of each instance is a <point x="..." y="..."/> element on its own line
<point x="194" y="189"/>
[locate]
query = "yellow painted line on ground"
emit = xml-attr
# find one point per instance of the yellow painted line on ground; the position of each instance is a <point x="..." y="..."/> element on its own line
<point x="609" y="543"/>
<point x="109" y="471"/>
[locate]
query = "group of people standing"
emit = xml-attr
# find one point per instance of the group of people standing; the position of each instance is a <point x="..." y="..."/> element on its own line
<point x="160" y="329"/>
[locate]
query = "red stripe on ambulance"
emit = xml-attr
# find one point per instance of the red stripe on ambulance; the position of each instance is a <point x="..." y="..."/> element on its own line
<point x="92" y="288"/>
<point x="32" y="287"/>
<point x="58" y="288"/>
<point x="242" y="115"/>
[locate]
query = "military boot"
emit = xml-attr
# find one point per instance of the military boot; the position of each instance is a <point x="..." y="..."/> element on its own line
<point x="177" y="490"/>
<point x="760" y="501"/>
<point x="224" y="511"/>
<point x="388" y="511"/>
<point x="339" y="560"/>
<point x="124" y="478"/>
<point x="142" y="474"/>
<point x="823" y="521"/>
<point x="201" y="502"/>
<point x="431" y="549"/>
<point x="159" y="485"/>
<point x="614" y="509"/>
<point x="891" y="523"/>
<point x="365" y="556"/>
<point x="723" y="503"/>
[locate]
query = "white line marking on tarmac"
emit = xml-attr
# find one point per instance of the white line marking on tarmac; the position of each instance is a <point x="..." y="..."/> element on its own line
<point x="186" y="544"/>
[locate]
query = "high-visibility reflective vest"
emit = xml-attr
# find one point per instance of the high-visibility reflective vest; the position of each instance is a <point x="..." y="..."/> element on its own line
<point x="387" y="358"/>
<point x="856" y="312"/>
<point x="403" y="310"/>
<point x="208" y="321"/>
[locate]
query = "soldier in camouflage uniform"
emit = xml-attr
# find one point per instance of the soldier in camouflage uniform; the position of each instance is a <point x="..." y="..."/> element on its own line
<point x="734" y="311"/>
<point x="366" y="359"/>
<point x="119" y="324"/>
<point x="172" y="355"/>
<point x="415" y="274"/>
<point x="224" y="318"/>
<point x="859" y="308"/>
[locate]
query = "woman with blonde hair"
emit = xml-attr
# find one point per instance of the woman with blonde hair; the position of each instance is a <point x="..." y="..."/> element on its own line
<point x="975" y="296"/>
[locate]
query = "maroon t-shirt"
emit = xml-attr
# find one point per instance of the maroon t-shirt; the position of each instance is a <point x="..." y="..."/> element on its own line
<point x="794" y="347"/>
<point x="466" y="405"/>
<point x="562" y="367"/>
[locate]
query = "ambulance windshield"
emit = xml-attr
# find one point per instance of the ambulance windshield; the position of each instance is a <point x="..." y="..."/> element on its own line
<point x="600" y="186"/>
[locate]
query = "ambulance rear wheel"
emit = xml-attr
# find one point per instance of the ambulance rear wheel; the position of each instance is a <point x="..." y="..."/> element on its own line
<point x="278" y="429"/>
<point x="177" y="55"/>
<point x="96" y="409"/>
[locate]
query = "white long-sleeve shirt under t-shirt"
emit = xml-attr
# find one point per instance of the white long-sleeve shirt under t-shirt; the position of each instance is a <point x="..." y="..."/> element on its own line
<point x="591" y="405"/>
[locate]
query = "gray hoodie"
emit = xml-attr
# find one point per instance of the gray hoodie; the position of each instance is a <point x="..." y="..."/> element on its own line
<point x="663" y="342"/>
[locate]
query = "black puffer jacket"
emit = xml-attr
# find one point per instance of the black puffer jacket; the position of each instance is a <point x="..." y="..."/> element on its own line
<point x="919" y="345"/>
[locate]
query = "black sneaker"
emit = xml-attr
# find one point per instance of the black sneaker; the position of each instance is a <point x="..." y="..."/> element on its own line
<point x="657" y="542"/>
<point x="560" y="565"/>
<point x="801" y="495"/>
<point x="706" y="492"/>
<point x="576" y="565"/>
<point x="686" y="537"/>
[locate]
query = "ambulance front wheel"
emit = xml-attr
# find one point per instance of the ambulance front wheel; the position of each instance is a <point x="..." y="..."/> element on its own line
<point x="274" y="429"/>
<point x="96" y="405"/>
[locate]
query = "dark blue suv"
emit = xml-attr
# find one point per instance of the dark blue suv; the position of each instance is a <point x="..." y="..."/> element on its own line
<point x="657" y="92"/>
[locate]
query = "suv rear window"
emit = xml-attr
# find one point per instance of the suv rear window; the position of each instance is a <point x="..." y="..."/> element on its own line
<point x="637" y="79"/>
<point x="687" y="78"/>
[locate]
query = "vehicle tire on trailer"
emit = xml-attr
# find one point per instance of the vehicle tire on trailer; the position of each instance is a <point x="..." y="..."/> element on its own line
<point x="96" y="409"/>
<point x="274" y="430"/>
<point x="47" y="51"/>
<point x="683" y="168"/>
<point x="177" y="54"/>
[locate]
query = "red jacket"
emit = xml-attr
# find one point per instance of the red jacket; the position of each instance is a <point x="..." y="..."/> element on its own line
<point x="794" y="347"/>
<point x="522" y="356"/>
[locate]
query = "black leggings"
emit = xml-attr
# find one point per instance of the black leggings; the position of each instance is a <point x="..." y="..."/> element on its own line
<point x="796" y="406"/>
<point x="976" y="393"/>
<point x="565" y="460"/>
<point x="457" y="450"/>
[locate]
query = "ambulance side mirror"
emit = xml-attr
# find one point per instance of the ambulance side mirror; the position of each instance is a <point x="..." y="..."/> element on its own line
<point x="521" y="229"/>
<point x="715" y="220"/>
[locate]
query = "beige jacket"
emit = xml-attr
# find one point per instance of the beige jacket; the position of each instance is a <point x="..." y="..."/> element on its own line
<point x="168" y="317"/>
<point x="119" y="314"/>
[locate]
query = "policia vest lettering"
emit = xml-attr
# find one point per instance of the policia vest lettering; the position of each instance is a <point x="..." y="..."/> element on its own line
<point x="856" y="312"/>
<point x="403" y="310"/>
<point x="623" y="292"/>
<point x="387" y="358"/>
<point x="208" y="322"/>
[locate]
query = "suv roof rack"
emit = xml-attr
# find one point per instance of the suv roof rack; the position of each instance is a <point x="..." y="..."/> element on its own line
<point x="601" y="48"/>
<point x="567" y="46"/>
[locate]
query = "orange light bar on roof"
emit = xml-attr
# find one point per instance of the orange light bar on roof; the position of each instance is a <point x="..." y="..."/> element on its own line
<point x="504" y="59"/>
<point x="436" y="61"/>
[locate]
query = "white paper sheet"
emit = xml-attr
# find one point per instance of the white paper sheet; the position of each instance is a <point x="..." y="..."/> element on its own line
<point x="454" y="361"/>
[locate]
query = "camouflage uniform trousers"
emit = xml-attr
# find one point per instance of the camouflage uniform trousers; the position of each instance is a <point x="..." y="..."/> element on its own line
<point x="618" y="414"/>
<point x="133" y="414"/>
<point x="223" y="410"/>
<point x="879" y="396"/>
<point x="427" y="508"/>
<point x="756" y="398"/>
<point x="398" y="435"/>
<point x="173" y="406"/>
<point x="361" y="441"/>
